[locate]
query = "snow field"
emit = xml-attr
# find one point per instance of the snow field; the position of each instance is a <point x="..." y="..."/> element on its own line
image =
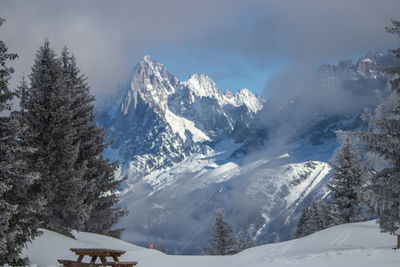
<point x="180" y="125"/>
<point x="357" y="244"/>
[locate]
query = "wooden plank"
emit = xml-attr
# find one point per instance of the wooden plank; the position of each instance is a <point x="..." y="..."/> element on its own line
<point x="71" y="263"/>
<point x="80" y="250"/>
<point x="66" y="263"/>
<point x="92" y="253"/>
<point x="85" y="264"/>
<point x="125" y="263"/>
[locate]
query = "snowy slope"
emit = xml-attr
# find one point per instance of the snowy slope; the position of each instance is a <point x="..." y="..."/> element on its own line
<point x="357" y="244"/>
<point x="177" y="204"/>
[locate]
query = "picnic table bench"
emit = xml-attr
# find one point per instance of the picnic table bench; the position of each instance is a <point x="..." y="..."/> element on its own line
<point x="94" y="253"/>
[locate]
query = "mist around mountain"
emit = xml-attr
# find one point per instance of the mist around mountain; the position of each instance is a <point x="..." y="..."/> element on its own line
<point x="188" y="149"/>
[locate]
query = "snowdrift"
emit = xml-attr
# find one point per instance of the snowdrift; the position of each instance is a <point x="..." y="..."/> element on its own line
<point x="357" y="244"/>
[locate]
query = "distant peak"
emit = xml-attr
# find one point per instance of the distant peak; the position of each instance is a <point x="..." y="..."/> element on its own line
<point x="199" y="77"/>
<point x="149" y="59"/>
<point x="245" y="91"/>
<point x="201" y="80"/>
<point x="228" y="94"/>
<point x="155" y="66"/>
<point x="252" y="101"/>
<point x="202" y="85"/>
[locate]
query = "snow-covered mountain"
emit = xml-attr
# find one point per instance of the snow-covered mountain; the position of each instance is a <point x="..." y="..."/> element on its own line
<point x="161" y="120"/>
<point x="188" y="149"/>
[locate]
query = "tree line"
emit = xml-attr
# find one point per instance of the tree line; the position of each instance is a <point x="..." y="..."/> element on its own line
<point x="52" y="171"/>
<point x="366" y="186"/>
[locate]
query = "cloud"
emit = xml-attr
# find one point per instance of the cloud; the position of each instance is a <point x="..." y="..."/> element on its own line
<point x="106" y="37"/>
<point x="109" y="37"/>
<point x="307" y="29"/>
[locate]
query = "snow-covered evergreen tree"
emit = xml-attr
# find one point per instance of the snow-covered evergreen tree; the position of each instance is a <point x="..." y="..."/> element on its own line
<point x="301" y="229"/>
<point x="346" y="185"/>
<point x="385" y="141"/>
<point x="160" y="246"/>
<point x="223" y="238"/>
<point x="18" y="223"/>
<point x="51" y="132"/>
<point x="243" y="241"/>
<point x="314" y="218"/>
<point x="100" y="185"/>
<point x="77" y="185"/>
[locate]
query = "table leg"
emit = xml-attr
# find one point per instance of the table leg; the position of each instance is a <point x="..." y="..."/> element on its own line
<point x="80" y="258"/>
<point x="115" y="257"/>
<point x="93" y="260"/>
<point x="103" y="260"/>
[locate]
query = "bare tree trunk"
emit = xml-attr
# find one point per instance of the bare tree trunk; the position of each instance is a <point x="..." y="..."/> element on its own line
<point x="398" y="241"/>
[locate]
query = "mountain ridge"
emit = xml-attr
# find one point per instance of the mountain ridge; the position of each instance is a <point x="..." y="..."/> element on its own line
<point x="175" y="114"/>
<point x="188" y="149"/>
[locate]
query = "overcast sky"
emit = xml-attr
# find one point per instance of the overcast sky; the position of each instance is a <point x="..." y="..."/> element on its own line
<point x="237" y="43"/>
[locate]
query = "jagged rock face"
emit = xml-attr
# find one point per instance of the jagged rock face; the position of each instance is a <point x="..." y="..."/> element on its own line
<point x="152" y="83"/>
<point x="139" y="127"/>
<point x="346" y="65"/>
<point x="200" y="100"/>
<point x="367" y="67"/>
<point x="162" y="120"/>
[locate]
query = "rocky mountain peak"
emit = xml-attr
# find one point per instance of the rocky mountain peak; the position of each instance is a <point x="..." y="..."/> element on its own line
<point x="346" y="65"/>
<point x="163" y="120"/>
<point x="228" y="94"/>
<point x="326" y="68"/>
<point x="245" y="97"/>
<point x="152" y="82"/>
<point x="202" y="86"/>
<point x="148" y="59"/>
<point x="366" y="65"/>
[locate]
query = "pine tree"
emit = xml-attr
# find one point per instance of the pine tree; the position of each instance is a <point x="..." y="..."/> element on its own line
<point x="99" y="191"/>
<point x="223" y="239"/>
<point x="52" y="134"/>
<point x="314" y="218"/>
<point x="301" y="229"/>
<point x="385" y="183"/>
<point x="160" y="247"/>
<point x="18" y="223"/>
<point x="346" y="185"/>
<point x="243" y="241"/>
<point x="22" y="91"/>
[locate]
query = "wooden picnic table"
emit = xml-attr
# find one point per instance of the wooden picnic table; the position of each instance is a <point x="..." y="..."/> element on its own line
<point x="94" y="253"/>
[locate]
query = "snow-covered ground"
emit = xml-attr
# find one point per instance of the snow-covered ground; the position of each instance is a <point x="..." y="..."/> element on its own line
<point x="357" y="244"/>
